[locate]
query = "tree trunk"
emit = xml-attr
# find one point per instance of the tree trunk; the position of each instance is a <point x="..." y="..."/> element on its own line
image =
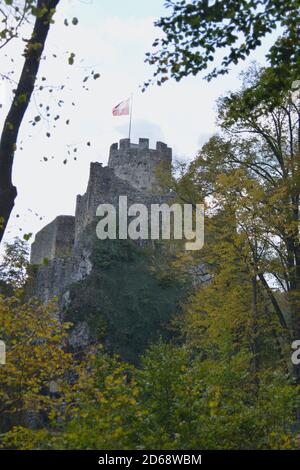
<point x="14" y="118"/>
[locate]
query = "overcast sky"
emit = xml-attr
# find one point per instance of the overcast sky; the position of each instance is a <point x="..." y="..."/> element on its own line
<point x="111" y="39"/>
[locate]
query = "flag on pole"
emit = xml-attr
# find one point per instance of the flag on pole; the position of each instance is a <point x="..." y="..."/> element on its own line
<point x="122" y="109"/>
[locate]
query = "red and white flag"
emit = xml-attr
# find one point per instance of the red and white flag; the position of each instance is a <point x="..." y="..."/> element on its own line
<point x="122" y="109"/>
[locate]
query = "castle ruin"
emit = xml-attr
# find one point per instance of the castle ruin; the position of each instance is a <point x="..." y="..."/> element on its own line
<point x="61" y="249"/>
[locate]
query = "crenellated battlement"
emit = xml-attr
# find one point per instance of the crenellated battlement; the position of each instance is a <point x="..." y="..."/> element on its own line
<point x="125" y="144"/>
<point x="137" y="163"/>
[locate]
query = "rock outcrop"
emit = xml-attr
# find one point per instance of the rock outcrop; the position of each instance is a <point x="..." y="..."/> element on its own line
<point x="107" y="288"/>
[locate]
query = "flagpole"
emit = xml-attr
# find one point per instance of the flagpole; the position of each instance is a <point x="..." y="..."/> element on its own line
<point x="130" y="119"/>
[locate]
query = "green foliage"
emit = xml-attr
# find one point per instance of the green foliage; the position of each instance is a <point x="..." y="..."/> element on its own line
<point x="14" y="14"/>
<point x="174" y="401"/>
<point x="195" y="31"/>
<point x="225" y="379"/>
<point x="35" y="358"/>
<point x="101" y="413"/>
<point x="224" y="385"/>
<point x="14" y="266"/>
<point x="123" y="300"/>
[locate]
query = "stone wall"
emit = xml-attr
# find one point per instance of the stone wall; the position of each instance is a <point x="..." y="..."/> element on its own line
<point x="52" y="279"/>
<point x="137" y="163"/>
<point x="55" y="240"/>
<point x="104" y="187"/>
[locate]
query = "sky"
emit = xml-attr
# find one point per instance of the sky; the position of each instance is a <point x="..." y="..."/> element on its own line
<point x="111" y="39"/>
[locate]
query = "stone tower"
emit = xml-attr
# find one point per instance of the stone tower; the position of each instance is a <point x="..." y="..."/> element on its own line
<point x="137" y="163"/>
<point x="131" y="172"/>
<point x="64" y="243"/>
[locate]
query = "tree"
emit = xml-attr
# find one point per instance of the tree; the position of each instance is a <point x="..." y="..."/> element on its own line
<point x="264" y="130"/>
<point x="231" y="327"/>
<point x="43" y="11"/>
<point x="15" y="263"/>
<point x="36" y="362"/>
<point x="175" y="400"/>
<point x="13" y="15"/>
<point x="100" y="412"/>
<point x="39" y="373"/>
<point x="252" y="171"/>
<point x="196" y="30"/>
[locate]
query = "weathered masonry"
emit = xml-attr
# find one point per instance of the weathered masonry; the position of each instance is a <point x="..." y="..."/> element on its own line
<point x="64" y="243"/>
